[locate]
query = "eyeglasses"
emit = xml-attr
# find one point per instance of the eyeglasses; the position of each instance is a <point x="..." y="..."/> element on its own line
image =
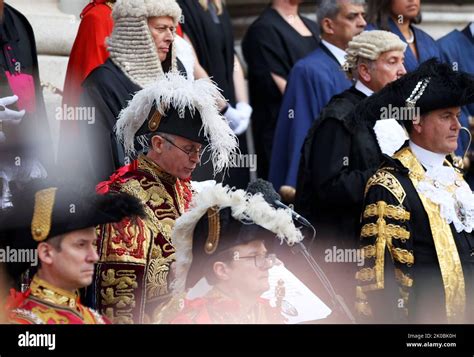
<point x="187" y="152"/>
<point x="261" y="260"/>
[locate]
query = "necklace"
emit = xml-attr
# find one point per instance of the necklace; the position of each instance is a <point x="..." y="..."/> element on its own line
<point x="411" y="39"/>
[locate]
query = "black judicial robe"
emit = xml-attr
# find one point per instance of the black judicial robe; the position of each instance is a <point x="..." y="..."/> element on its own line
<point x="32" y="137"/>
<point x="339" y="154"/>
<point x="271" y="45"/>
<point x="108" y="90"/>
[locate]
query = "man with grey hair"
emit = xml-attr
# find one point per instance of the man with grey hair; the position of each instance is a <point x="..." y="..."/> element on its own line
<point x="311" y="84"/>
<point x="142" y="48"/>
<point x="340" y="153"/>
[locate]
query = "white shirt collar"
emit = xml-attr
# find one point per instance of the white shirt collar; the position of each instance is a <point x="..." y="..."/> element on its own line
<point x="427" y="158"/>
<point x="336" y="51"/>
<point x="472" y="28"/>
<point x="361" y="87"/>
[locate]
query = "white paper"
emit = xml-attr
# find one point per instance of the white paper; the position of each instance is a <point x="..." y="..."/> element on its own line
<point x="298" y="297"/>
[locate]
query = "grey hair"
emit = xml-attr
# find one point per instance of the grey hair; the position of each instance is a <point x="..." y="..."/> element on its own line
<point x="353" y="73"/>
<point x="330" y="9"/>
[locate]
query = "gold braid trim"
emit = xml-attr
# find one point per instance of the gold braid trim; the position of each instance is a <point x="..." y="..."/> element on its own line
<point x="394" y="212"/>
<point x="212" y="241"/>
<point x="403" y="256"/>
<point x="404" y="279"/>
<point x="391" y="230"/>
<point x="389" y="182"/>
<point x="377" y="272"/>
<point x="448" y="256"/>
<point x="42" y="213"/>
<point x="369" y="251"/>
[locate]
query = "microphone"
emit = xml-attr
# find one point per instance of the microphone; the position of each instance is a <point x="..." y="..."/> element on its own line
<point x="274" y="199"/>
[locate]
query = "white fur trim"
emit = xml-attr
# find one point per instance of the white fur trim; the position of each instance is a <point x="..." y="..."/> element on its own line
<point x="244" y="207"/>
<point x="390" y="135"/>
<point x="174" y="89"/>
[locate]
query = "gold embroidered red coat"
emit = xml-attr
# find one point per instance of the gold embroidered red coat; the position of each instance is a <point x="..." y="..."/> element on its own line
<point x="217" y="308"/>
<point x="44" y="303"/>
<point x="131" y="278"/>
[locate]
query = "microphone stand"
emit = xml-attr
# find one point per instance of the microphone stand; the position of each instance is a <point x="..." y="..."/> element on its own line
<point x="337" y="300"/>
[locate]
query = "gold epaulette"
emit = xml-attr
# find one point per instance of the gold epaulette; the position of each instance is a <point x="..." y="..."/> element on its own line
<point x="388" y="181"/>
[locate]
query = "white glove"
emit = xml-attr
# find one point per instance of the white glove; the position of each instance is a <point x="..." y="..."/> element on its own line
<point x="239" y="118"/>
<point x="9" y="116"/>
<point x="245" y="112"/>
<point x="233" y="117"/>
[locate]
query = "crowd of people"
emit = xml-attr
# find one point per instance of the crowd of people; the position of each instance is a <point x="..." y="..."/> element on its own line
<point x="356" y="119"/>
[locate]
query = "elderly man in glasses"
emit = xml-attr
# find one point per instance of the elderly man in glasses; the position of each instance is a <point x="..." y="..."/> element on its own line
<point x="226" y="239"/>
<point x="173" y="119"/>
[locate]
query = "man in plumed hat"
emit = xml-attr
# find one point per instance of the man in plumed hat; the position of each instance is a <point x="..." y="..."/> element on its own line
<point x="226" y="238"/>
<point x="56" y="225"/>
<point x="142" y="46"/>
<point x="419" y="212"/>
<point x="174" y="120"/>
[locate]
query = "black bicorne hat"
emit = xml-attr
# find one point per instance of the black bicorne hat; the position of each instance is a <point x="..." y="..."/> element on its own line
<point x="432" y="86"/>
<point x="44" y="209"/>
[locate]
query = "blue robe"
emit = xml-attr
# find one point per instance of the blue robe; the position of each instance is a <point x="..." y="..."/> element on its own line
<point x="426" y="46"/>
<point x="313" y="81"/>
<point x="457" y="49"/>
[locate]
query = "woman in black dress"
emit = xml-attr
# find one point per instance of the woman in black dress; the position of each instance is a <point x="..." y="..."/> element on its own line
<point x="271" y="46"/>
<point x="206" y="25"/>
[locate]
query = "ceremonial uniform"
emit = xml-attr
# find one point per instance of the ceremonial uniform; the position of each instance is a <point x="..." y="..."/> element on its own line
<point x="431" y="280"/>
<point x="44" y="303"/>
<point x="217" y="308"/>
<point x="416" y="232"/>
<point x="132" y="275"/>
<point x="225" y="227"/>
<point x="135" y="257"/>
<point x="57" y="222"/>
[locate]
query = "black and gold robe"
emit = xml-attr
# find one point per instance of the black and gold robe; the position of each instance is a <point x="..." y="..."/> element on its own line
<point x="418" y="268"/>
